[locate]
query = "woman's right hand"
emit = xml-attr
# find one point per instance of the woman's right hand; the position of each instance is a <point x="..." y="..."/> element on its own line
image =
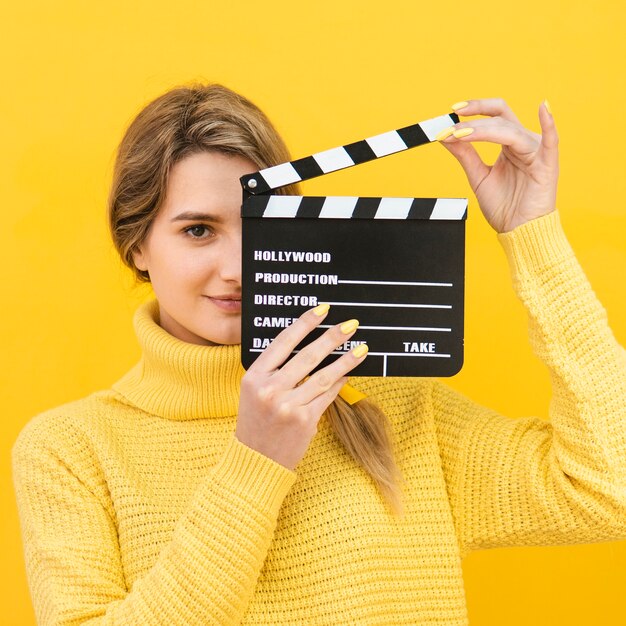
<point x="278" y="417"/>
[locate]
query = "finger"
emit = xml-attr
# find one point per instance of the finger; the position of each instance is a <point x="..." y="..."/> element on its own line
<point x="314" y="353"/>
<point x="326" y="377"/>
<point x="474" y="167"/>
<point x="488" y="106"/>
<point x="283" y="345"/>
<point x="520" y="140"/>
<point x="502" y="132"/>
<point x="322" y="401"/>
<point x="452" y="132"/>
<point x="494" y="122"/>
<point x="549" y="148"/>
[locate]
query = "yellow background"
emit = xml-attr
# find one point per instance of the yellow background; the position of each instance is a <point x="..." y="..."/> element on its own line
<point x="327" y="73"/>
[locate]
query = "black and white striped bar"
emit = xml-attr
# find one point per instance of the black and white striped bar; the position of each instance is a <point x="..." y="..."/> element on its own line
<point x="352" y="207"/>
<point x="342" y="157"/>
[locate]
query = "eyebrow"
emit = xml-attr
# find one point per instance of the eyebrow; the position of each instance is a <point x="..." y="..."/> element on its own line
<point x="190" y="216"/>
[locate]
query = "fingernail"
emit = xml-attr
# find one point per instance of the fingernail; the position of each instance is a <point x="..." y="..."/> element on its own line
<point x="548" y="107"/>
<point x="360" y="350"/>
<point x="321" y="309"/>
<point x="349" y="326"/>
<point x="463" y="132"/>
<point x="446" y="132"/>
<point x="459" y="105"/>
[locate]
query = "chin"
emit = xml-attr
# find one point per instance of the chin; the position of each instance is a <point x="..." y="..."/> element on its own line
<point x="222" y="339"/>
<point x="234" y="342"/>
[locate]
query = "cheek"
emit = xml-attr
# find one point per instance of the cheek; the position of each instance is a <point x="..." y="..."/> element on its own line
<point x="181" y="266"/>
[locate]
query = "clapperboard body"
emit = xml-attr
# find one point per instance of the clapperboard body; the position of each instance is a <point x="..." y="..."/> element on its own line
<point x="395" y="264"/>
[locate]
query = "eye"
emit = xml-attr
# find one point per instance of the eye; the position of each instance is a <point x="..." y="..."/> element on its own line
<point x="199" y="231"/>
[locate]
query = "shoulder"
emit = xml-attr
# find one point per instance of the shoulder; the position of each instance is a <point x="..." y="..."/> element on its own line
<point x="383" y="389"/>
<point x="68" y="426"/>
<point x="60" y="455"/>
<point x="397" y="397"/>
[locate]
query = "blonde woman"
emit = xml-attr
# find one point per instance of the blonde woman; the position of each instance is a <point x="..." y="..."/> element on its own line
<point x="192" y="492"/>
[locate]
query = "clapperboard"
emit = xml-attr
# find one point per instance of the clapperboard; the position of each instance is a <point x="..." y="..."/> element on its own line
<point x="395" y="264"/>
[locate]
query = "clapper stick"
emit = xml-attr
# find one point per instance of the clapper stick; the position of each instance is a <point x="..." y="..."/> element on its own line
<point x="321" y="163"/>
<point x="396" y="264"/>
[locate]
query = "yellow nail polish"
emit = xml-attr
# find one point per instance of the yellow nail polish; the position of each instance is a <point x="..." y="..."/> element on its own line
<point x="360" y="350"/>
<point x="459" y="105"/>
<point x="321" y="309"/>
<point x="463" y="132"/>
<point x="349" y="326"/>
<point x="446" y="132"/>
<point x="548" y="107"/>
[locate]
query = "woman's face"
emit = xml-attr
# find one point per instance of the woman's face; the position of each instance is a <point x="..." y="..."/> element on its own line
<point x="193" y="249"/>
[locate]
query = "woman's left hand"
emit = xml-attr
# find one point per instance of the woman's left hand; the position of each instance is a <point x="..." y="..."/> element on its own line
<point x="521" y="184"/>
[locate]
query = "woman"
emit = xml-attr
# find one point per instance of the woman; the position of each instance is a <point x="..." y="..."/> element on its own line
<point x="195" y="493"/>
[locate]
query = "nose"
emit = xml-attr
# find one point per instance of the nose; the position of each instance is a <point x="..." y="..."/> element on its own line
<point x="230" y="265"/>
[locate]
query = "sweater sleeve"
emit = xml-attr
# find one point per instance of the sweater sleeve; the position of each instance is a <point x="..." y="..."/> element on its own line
<point x="528" y="481"/>
<point x="206" y="573"/>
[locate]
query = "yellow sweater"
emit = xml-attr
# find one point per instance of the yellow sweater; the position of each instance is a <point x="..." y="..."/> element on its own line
<point x="138" y="506"/>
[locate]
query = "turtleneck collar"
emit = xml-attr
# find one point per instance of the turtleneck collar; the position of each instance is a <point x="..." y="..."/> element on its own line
<point x="179" y="380"/>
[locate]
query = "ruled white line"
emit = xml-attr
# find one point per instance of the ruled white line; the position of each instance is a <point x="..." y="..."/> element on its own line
<point x="419" y="328"/>
<point x="385" y="354"/>
<point x="387" y="305"/>
<point x="391" y="282"/>
<point x="385" y="365"/>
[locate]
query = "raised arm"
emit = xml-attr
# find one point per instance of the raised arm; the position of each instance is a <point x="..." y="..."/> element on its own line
<point x="528" y="481"/>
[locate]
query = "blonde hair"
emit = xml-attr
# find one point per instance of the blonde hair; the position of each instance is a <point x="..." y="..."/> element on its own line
<point x="210" y="117"/>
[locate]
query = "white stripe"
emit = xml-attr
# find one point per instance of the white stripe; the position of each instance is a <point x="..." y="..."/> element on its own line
<point x="393" y="282"/>
<point x="435" y="125"/>
<point x="386" y="143"/>
<point x="338" y="206"/>
<point x="431" y="354"/>
<point x="415" y="328"/>
<point x="393" y="208"/>
<point x="282" y="206"/>
<point x="333" y="159"/>
<point x="383" y="354"/>
<point x="279" y="175"/>
<point x="449" y="209"/>
<point x="389" y="305"/>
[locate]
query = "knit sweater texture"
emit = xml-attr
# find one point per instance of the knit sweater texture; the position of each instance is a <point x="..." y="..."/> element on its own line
<point x="139" y="506"/>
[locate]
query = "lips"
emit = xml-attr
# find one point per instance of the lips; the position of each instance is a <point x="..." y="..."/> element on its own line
<point x="230" y="303"/>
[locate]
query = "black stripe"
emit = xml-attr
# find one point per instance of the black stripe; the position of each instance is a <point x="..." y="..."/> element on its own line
<point x="421" y="209"/>
<point x="366" y="208"/>
<point x="413" y="135"/>
<point x="360" y="152"/>
<point x="455" y="118"/>
<point x="310" y="206"/>
<point x="307" y="168"/>
<point x="254" y="206"/>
